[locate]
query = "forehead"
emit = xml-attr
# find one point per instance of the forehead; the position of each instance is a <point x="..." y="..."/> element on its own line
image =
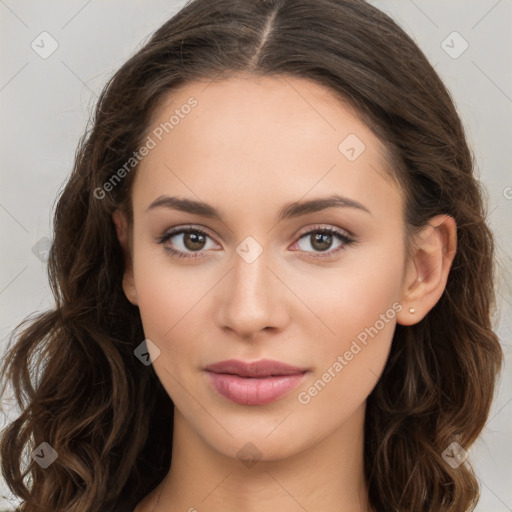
<point x="256" y="137"/>
<point x="252" y="109"/>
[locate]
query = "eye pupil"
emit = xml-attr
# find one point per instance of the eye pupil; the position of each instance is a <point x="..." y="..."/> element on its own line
<point x="324" y="239"/>
<point x="193" y="238"/>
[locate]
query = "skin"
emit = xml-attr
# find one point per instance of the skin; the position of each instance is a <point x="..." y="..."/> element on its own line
<point x="251" y="146"/>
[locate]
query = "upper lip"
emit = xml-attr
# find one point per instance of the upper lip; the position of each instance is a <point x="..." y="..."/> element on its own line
<point x="261" y="368"/>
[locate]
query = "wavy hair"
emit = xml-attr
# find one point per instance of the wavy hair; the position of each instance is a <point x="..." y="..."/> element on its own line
<point x="72" y="369"/>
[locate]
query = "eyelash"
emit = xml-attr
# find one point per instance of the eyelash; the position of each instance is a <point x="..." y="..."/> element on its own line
<point x="347" y="241"/>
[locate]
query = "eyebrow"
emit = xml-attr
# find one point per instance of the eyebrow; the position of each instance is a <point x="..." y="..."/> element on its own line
<point x="289" y="210"/>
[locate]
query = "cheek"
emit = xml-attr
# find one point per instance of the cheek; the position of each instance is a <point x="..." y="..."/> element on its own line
<point x="169" y="317"/>
<point x="359" y="306"/>
<point x="366" y="299"/>
<point x="169" y="300"/>
<point x="356" y="295"/>
<point x="349" y="365"/>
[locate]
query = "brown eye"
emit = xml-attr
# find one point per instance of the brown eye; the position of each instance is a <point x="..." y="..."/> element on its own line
<point x="187" y="243"/>
<point x="194" y="241"/>
<point x="321" y="241"/>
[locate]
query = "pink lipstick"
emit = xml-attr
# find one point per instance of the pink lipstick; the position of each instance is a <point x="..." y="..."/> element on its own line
<point x="254" y="383"/>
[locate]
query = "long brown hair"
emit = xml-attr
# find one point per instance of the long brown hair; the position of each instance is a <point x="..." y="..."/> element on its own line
<point x="73" y="370"/>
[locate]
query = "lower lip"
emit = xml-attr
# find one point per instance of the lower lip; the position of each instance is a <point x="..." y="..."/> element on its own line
<point x="253" y="391"/>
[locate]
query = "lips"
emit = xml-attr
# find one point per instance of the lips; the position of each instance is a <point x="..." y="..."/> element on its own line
<point x="254" y="383"/>
<point x="262" y="368"/>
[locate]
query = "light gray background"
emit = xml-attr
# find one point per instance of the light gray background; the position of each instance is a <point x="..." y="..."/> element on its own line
<point x="45" y="104"/>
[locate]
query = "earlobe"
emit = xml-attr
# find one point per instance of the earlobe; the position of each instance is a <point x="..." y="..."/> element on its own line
<point x="121" y="224"/>
<point x="129" y="287"/>
<point x="427" y="271"/>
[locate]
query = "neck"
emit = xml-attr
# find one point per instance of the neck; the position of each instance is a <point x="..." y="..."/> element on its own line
<point x="327" y="476"/>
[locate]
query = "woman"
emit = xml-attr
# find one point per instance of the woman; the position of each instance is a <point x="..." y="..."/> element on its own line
<point x="273" y="279"/>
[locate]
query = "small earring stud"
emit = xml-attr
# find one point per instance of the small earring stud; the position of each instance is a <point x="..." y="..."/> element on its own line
<point x="412" y="310"/>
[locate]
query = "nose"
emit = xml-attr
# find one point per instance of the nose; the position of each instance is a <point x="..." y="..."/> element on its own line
<point x="252" y="298"/>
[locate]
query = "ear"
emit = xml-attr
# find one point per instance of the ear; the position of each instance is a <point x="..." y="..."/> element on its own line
<point x="427" y="271"/>
<point x="123" y="236"/>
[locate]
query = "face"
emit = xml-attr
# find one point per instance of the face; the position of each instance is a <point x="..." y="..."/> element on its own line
<point x="316" y="288"/>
